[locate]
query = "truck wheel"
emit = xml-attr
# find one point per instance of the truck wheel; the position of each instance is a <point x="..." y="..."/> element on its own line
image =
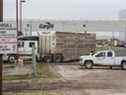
<point x="88" y="64"/>
<point x="11" y="59"/>
<point x="123" y="65"/>
<point x="59" y="59"/>
<point x="48" y="60"/>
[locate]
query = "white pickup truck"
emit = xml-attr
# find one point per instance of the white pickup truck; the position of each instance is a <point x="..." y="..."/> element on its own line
<point x="105" y="57"/>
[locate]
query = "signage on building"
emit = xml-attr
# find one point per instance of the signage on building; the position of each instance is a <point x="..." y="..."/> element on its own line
<point x="47" y="25"/>
<point x="9" y="48"/>
<point x="8" y="40"/>
<point x="8" y="45"/>
<point x="8" y="29"/>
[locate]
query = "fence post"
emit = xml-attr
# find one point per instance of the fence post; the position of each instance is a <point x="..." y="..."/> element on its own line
<point x="34" y="61"/>
<point x="1" y="62"/>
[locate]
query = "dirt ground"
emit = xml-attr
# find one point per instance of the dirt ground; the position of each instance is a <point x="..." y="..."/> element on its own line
<point x="17" y="70"/>
<point x="97" y="81"/>
<point x="75" y="80"/>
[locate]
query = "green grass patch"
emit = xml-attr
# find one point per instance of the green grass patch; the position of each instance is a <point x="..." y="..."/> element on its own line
<point x="33" y="93"/>
<point x="43" y="72"/>
<point x="16" y="77"/>
<point x="9" y="65"/>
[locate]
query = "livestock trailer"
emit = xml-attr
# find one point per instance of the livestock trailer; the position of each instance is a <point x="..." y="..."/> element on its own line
<point x="55" y="46"/>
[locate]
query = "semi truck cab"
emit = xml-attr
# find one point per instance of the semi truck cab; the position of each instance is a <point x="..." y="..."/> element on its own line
<point x="25" y="46"/>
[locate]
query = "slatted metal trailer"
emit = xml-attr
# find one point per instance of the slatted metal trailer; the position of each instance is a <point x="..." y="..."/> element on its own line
<point x="55" y="46"/>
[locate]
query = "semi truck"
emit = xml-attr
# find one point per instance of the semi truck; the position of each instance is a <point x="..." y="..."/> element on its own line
<point x="56" y="46"/>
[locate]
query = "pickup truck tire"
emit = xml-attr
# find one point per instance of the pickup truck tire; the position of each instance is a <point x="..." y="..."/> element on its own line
<point x="123" y="65"/>
<point x="88" y="64"/>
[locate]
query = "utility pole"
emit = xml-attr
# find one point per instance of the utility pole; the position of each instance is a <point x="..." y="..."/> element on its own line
<point x="1" y="10"/>
<point x="17" y="25"/>
<point x="1" y="20"/>
<point x="21" y="14"/>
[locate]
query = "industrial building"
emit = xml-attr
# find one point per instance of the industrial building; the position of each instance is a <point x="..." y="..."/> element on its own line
<point x="122" y="14"/>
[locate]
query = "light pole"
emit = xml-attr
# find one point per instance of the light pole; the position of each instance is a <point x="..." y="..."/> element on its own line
<point x="113" y="39"/>
<point x="17" y="16"/>
<point x="21" y="1"/>
<point x="30" y="29"/>
<point x="1" y="20"/>
<point x="85" y="30"/>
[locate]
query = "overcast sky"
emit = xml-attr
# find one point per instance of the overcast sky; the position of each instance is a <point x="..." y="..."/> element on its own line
<point x="67" y="9"/>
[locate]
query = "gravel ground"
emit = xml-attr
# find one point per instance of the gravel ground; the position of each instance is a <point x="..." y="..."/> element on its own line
<point x="97" y="81"/>
<point x="77" y="81"/>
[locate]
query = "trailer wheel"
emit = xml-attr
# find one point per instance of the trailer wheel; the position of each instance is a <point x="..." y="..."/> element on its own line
<point x="123" y="66"/>
<point x="88" y="64"/>
<point x="58" y="58"/>
<point x="11" y="59"/>
<point x="47" y="59"/>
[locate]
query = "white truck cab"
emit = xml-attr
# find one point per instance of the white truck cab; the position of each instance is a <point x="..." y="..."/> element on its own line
<point x="25" y="46"/>
<point x="105" y="57"/>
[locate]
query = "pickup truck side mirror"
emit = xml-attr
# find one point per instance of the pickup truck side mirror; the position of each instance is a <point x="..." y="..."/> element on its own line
<point x="91" y="53"/>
